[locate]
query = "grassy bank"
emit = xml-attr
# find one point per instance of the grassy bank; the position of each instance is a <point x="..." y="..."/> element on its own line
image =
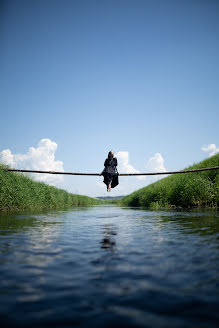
<point x="18" y="191"/>
<point x="200" y="189"/>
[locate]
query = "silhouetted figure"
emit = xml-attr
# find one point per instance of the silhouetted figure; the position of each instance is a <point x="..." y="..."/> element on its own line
<point x="110" y="172"/>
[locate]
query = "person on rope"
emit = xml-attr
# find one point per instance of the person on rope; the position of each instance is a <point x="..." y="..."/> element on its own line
<point x="110" y="172"/>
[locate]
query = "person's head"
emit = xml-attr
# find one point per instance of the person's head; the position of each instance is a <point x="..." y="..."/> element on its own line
<point x="110" y="154"/>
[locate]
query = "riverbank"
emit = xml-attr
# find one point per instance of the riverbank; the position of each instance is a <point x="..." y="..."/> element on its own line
<point x="200" y="189"/>
<point x="20" y="192"/>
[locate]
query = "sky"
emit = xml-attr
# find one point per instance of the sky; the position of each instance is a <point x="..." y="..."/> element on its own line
<point x="82" y="77"/>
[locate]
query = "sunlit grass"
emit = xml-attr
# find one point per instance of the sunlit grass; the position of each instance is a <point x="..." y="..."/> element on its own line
<point x="180" y="190"/>
<point x="18" y="191"/>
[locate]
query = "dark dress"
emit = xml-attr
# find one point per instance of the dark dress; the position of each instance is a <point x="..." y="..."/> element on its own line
<point x="110" y="172"/>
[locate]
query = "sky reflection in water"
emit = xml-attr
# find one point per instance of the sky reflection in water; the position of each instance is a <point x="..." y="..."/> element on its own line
<point x="110" y="266"/>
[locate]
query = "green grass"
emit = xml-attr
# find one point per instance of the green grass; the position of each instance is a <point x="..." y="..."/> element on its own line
<point x="18" y="192"/>
<point x="199" y="189"/>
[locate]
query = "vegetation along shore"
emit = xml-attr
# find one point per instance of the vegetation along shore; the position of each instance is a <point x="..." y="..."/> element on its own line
<point x="199" y="189"/>
<point x="19" y="192"/>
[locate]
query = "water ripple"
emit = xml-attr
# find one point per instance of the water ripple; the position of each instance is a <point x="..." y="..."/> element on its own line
<point x="109" y="266"/>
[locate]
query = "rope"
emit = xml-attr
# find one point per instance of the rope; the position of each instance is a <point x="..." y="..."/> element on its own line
<point x="122" y="174"/>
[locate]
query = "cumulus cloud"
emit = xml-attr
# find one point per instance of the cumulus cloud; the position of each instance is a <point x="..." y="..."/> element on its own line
<point x="125" y="166"/>
<point x="123" y="157"/>
<point x="6" y="157"/>
<point x="156" y="163"/>
<point x="211" y="149"/>
<point x="39" y="158"/>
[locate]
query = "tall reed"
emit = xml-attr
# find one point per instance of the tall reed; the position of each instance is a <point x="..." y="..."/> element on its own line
<point x="19" y="191"/>
<point x="180" y="190"/>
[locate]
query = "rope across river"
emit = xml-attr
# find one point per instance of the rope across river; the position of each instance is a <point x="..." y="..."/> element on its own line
<point x="121" y="174"/>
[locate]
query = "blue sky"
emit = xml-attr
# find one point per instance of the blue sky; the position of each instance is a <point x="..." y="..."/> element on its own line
<point x="140" y="77"/>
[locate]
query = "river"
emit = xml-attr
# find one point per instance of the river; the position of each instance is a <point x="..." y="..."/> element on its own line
<point x="108" y="266"/>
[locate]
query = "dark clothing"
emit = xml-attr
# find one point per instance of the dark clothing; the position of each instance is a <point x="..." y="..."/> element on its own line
<point x="110" y="172"/>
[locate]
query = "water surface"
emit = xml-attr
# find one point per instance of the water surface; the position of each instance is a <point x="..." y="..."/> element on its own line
<point x="109" y="266"/>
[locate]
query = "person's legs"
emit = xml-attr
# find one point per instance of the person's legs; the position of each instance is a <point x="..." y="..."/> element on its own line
<point x="109" y="186"/>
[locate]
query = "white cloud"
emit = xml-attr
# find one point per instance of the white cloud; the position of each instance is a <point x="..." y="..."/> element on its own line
<point x="123" y="157"/>
<point x="156" y="163"/>
<point x="124" y="166"/>
<point x="39" y="158"/>
<point x="211" y="149"/>
<point x="6" y="157"/>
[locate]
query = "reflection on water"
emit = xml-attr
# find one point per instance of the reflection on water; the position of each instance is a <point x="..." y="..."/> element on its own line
<point x="109" y="266"/>
<point x="108" y="241"/>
